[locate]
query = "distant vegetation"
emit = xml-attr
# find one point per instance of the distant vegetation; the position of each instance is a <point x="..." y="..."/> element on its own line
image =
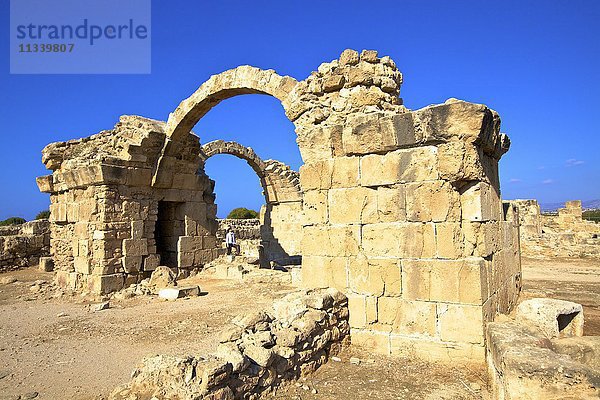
<point x="242" y="213"/>
<point x="592" y="215"/>
<point x="43" y="215"/>
<point x="13" y="221"/>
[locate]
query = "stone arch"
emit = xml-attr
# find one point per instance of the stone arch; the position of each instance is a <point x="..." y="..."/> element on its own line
<point x="280" y="226"/>
<point x="280" y="183"/>
<point x="244" y="79"/>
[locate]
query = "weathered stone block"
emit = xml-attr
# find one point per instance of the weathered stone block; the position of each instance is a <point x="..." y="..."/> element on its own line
<point x="316" y="175"/>
<point x="102" y="284"/>
<point x="315" y="207"/>
<point x="357" y="306"/>
<point x="333" y="241"/>
<point x="320" y="272"/>
<point x="132" y="264"/>
<point x="135" y="247"/>
<point x="151" y="262"/>
<point x="375" y="277"/>
<point x="411" y="165"/>
<point x="412" y="240"/>
<point x="407" y="317"/>
<point x="345" y="172"/>
<point x="480" y="202"/>
<point x="461" y="323"/>
<point x="378" y="342"/>
<point x="434" y="201"/>
<point x="352" y="205"/>
<point x="458" y="281"/>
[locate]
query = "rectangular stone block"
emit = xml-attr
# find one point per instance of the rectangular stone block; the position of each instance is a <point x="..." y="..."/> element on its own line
<point x="412" y="240"/>
<point x="461" y="323"/>
<point x="137" y="229"/>
<point x="391" y="205"/>
<point x="185" y="259"/>
<point x="352" y="205"/>
<point x="189" y="244"/>
<point x="333" y="241"/>
<point x="480" y="202"/>
<point x="369" y="133"/>
<point x="435" y="350"/>
<point x="345" y="172"/>
<point x="82" y="265"/>
<point x="103" y="284"/>
<point x="132" y="264"/>
<point x="375" y="277"/>
<point x="410" y="165"/>
<point x="434" y="201"/>
<point x="320" y="272"/>
<point x="315" y="207"/>
<point x="458" y="281"/>
<point x="135" y="247"/>
<point x="357" y="307"/>
<point x="316" y="175"/>
<point x="378" y="342"/>
<point x="407" y="317"/>
<point x="449" y="240"/>
<point x="151" y="262"/>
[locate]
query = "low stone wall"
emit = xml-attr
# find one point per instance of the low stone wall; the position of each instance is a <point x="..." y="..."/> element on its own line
<point x="23" y="245"/>
<point x="247" y="234"/>
<point x="563" y="235"/>
<point x="542" y="355"/>
<point x="257" y="353"/>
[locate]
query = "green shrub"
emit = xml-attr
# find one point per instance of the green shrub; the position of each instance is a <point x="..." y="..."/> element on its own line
<point x="242" y="213"/>
<point x="13" y="221"/>
<point x="43" y="215"/>
<point x="592" y="215"/>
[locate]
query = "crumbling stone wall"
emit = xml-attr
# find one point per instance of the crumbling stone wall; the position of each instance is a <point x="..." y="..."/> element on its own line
<point x="257" y="353"/>
<point x="566" y="234"/>
<point x="401" y="209"/>
<point x="23" y="245"/>
<point x="281" y="228"/>
<point x="109" y="226"/>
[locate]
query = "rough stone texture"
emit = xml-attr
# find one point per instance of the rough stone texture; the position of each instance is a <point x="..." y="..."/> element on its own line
<point x="565" y="234"/>
<point x="257" y="353"/>
<point x="23" y="245"/>
<point x="554" y="318"/>
<point x="524" y="364"/>
<point x="400" y="209"/>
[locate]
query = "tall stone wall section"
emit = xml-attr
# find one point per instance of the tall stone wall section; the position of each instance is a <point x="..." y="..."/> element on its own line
<point x="566" y="234"/>
<point x="247" y="234"/>
<point x="23" y="245"/>
<point x="105" y="215"/>
<point x="402" y="210"/>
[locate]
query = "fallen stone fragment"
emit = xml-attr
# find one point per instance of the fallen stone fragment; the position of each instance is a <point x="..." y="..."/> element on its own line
<point x="100" y="306"/>
<point x="354" y="360"/>
<point x="29" y="395"/>
<point x="178" y="292"/>
<point x="7" y="280"/>
<point x="46" y="264"/>
<point x="337" y="359"/>
<point x="4" y="374"/>
<point x="61" y="314"/>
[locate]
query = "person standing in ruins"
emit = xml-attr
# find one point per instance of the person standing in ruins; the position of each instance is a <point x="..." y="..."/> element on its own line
<point x="230" y="241"/>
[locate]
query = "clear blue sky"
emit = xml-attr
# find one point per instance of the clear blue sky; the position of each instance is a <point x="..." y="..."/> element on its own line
<point x="536" y="62"/>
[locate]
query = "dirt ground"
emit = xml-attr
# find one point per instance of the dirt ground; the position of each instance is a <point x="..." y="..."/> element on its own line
<point x="575" y="279"/>
<point x="58" y="348"/>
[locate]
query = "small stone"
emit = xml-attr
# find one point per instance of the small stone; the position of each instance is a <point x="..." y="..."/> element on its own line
<point x="100" y="306"/>
<point x="305" y="387"/>
<point x="4" y="374"/>
<point x="336" y="359"/>
<point x="354" y="360"/>
<point x="314" y="391"/>
<point x="475" y="386"/>
<point x="7" y="280"/>
<point x="30" y="395"/>
<point x="178" y="292"/>
<point x="61" y="314"/>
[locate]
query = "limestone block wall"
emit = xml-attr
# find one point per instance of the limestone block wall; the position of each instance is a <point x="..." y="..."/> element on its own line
<point x="109" y="226"/>
<point x="530" y="223"/>
<point x="23" y="245"/>
<point x="403" y="211"/>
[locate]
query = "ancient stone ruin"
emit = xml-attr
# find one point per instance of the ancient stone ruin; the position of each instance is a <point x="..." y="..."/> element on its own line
<point x="24" y="245"/>
<point x="563" y="234"/>
<point x="400" y="210"/>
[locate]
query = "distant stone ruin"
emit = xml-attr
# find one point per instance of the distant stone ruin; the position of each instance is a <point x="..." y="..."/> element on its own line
<point x="565" y="234"/>
<point x="23" y="245"/>
<point x="400" y="209"/>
